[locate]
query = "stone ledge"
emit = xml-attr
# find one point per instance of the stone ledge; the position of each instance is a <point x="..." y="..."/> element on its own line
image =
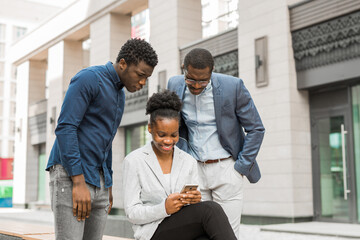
<point x="12" y="230"/>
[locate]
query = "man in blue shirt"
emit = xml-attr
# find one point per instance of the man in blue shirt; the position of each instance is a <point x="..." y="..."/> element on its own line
<point x="217" y="109"/>
<point x="80" y="161"/>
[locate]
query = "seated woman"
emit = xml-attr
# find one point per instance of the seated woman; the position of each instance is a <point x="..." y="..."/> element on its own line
<point x="154" y="176"/>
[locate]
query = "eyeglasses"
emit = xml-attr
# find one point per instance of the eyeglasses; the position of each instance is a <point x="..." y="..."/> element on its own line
<point x="202" y="83"/>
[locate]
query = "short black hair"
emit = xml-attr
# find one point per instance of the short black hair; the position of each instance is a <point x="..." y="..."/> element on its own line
<point x="199" y="58"/>
<point x="136" y="50"/>
<point x="165" y="104"/>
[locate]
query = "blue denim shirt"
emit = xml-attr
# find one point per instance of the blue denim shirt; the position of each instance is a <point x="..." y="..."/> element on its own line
<point x="89" y="118"/>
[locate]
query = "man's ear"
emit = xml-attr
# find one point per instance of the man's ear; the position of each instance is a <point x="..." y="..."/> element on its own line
<point x="122" y="64"/>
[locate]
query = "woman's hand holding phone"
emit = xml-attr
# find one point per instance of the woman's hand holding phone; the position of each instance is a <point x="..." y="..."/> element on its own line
<point x="173" y="203"/>
<point x="191" y="197"/>
<point x="188" y="195"/>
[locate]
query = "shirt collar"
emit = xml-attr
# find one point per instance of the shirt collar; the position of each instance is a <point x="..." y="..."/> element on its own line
<point x="208" y="87"/>
<point x="114" y="76"/>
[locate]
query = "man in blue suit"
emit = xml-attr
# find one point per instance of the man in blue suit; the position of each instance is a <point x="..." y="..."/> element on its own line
<point x="217" y="109"/>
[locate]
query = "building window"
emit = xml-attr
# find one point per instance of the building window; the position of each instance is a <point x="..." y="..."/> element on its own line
<point x="356" y="126"/>
<point x="135" y="137"/>
<point x="18" y="32"/>
<point x="140" y="25"/>
<point x="2" y="32"/>
<point x="162" y="80"/>
<point x="219" y="16"/>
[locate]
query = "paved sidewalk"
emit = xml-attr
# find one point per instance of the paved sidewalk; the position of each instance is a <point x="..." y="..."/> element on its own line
<point x="17" y="220"/>
<point x="317" y="228"/>
<point x="30" y="224"/>
<point x="299" y="231"/>
<point x="12" y="230"/>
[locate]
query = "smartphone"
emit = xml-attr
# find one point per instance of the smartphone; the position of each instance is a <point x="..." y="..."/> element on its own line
<point x="189" y="187"/>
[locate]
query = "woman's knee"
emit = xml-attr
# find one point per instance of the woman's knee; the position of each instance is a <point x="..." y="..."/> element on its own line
<point x="213" y="206"/>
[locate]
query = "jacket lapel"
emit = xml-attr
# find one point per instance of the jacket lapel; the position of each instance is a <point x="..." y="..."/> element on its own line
<point x="218" y="96"/>
<point x="176" y="167"/>
<point x="180" y="90"/>
<point x="152" y="162"/>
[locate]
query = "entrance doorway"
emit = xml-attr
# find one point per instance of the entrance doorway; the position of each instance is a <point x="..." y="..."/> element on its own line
<point x="333" y="156"/>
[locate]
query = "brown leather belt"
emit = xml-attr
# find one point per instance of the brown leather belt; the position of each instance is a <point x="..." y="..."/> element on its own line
<point x="213" y="160"/>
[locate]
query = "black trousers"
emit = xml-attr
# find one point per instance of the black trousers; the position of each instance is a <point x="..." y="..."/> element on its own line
<point x="204" y="220"/>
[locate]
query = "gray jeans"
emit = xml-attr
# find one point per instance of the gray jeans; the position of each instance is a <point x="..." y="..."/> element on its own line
<point x="66" y="225"/>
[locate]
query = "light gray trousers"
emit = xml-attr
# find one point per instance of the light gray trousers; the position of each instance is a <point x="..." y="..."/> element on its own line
<point x="221" y="183"/>
<point x="66" y="225"/>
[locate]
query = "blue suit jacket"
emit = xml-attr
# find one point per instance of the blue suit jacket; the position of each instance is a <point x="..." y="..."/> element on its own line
<point x="235" y="113"/>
